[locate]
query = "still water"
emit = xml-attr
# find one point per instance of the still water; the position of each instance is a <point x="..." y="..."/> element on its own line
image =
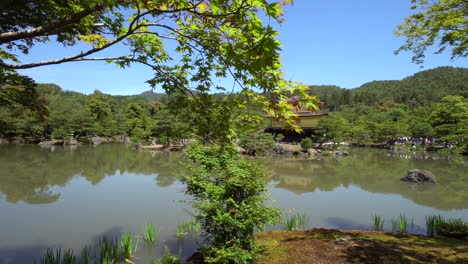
<point x="69" y="197"/>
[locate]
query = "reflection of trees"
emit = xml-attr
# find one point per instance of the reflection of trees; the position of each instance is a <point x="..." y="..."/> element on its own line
<point x="373" y="171"/>
<point x="28" y="172"/>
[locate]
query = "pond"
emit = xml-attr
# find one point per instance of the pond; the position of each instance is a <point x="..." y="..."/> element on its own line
<point x="70" y="197"/>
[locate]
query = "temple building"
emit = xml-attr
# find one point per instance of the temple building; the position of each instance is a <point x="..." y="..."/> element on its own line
<point x="307" y="120"/>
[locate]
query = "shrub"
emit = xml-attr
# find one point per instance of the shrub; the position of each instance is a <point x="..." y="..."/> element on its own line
<point x="306" y="143"/>
<point x="257" y="143"/>
<point x="229" y="202"/>
<point x="456" y="228"/>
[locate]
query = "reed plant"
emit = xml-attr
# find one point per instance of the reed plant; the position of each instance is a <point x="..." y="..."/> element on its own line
<point x="433" y="223"/>
<point x="295" y="222"/>
<point x="400" y="225"/>
<point x="150" y="233"/>
<point x="377" y="222"/>
<point x="180" y="231"/>
<point x="86" y="256"/>
<point x="107" y="252"/>
<point x="192" y="227"/>
<point x="126" y="242"/>
<point x="68" y="257"/>
<point x="51" y="257"/>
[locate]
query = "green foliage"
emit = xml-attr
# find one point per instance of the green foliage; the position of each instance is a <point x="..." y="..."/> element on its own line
<point x="295" y="221"/>
<point x="257" y="144"/>
<point x="433" y="223"/>
<point x="229" y="198"/>
<point x="456" y="228"/>
<point x="442" y="21"/>
<point x="377" y="223"/>
<point x="167" y="258"/>
<point x="126" y="242"/>
<point x="150" y="234"/>
<point x="335" y="128"/>
<point x="306" y="144"/>
<point x="138" y="123"/>
<point x="450" y="118"/>
<point x="400" y="225"/>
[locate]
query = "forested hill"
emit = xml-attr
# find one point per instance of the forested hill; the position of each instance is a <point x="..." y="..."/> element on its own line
<point x="422" y="89"/>
<point x="145" y="96"/>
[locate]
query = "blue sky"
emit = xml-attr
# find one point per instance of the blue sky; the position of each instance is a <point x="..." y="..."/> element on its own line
<point x="340" y="42"/>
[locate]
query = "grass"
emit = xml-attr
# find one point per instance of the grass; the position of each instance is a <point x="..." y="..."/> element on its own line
<point x="106" y="252"/>
<point x="126" y="242"/>
<point x="192" y="227"/>
<point x="86" y="256"/>
<point x="432" y="224"/>
<point x="295" y="221"/>
<point x="150" y="234"/>
<point x="189" y="227"/>
<point x="180" y="231"/>
<point x="377" y="223"/>
<point x="400" y="225"/>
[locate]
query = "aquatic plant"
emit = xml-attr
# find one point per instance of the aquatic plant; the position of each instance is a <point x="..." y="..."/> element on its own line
<point x="168" y="258"/>
<point x="107" y="252"/>
<point x="51" y="257"/>
<point x="192" y="227"/>
<point x="377" y="223"/>
<point x="180" y="231"/>
<point x="150" y="234"/>
<point x="126" y="242"/>
<point x="295" y="221"/>
<point x="85" y="256"/>
<point x="400" y="225"/>
<point x="432" y="224"/>
<point x="455" y="228"/>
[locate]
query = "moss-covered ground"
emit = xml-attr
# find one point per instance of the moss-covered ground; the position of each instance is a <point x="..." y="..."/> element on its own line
<point x="335" y="246"/>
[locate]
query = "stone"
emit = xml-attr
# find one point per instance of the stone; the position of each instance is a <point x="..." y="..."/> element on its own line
<point x="96" y="140"/>
<point x="313" y="152"/>
<point x="419" y="176"/>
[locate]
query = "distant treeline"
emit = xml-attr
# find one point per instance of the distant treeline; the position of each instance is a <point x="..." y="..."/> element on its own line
<point x="47" y="111"/>
<point x="375" y="112"/>
<point x="431" y="103"/>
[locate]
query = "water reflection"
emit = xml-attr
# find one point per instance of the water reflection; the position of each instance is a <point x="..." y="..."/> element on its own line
<point x="27" y="173"/>
<point x="72" y="197"/>
<point x="377" y="172"/>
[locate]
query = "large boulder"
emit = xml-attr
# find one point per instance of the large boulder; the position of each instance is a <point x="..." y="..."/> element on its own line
<point x="419" y="176"/>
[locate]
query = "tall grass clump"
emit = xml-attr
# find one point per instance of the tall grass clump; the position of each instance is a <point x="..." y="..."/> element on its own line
<point x="295" y="221"/>
<point x="150" y="233"/>
<point x="192" y="227"/>
<point x="106" y="252"/>
<point x="180" y="231"/>
<point x="51" y="257"/>
<point x="86" y="256"/>
<point x="377" y="223"/>
<point x="400" y="225"/>
<point x="126" y="242"/>
<point x="433" y="223"/>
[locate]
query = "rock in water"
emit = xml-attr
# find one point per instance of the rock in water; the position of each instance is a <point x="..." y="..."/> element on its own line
<point x="419" y="176"/>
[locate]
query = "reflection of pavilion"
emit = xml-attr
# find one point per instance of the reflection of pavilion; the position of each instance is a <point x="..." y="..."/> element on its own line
<point x="296" y="184"/>
<point x="296" y="177"/>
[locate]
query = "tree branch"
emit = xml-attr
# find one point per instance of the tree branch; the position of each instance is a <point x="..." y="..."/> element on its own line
<point x="53" y="26"/>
